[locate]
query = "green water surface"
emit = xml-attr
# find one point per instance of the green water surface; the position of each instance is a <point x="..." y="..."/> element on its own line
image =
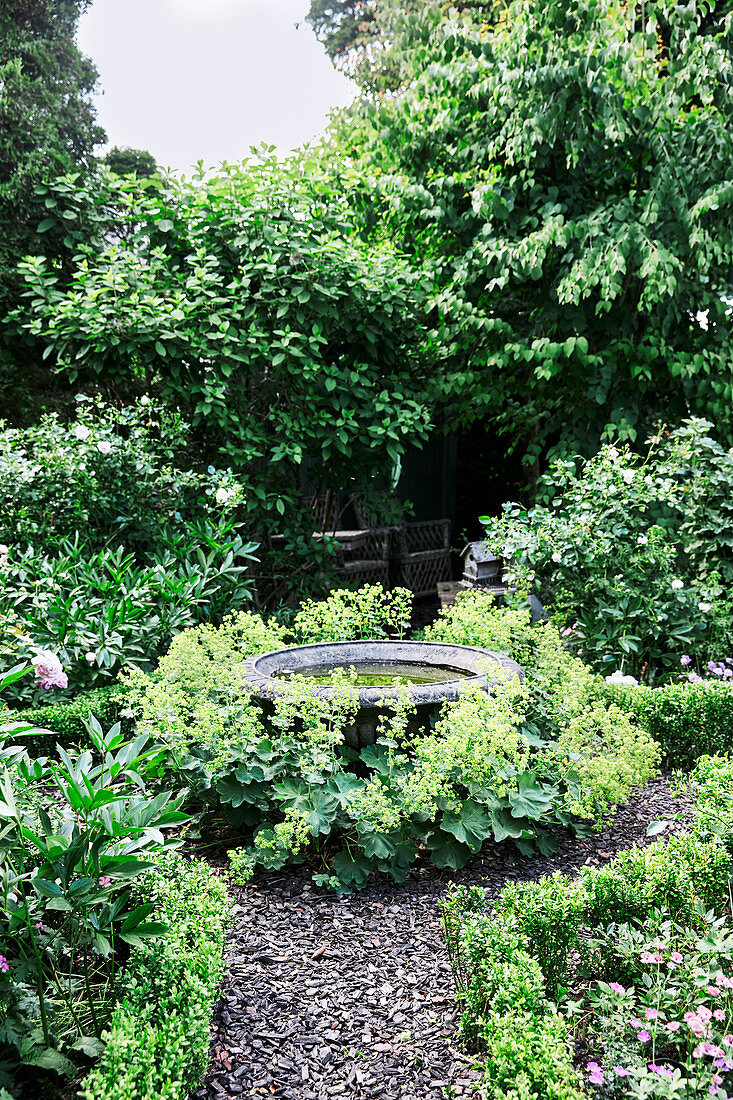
<point x="380" y="673"/>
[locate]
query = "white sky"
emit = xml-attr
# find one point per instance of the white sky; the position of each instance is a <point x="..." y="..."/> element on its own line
<point x="207" y="79"/>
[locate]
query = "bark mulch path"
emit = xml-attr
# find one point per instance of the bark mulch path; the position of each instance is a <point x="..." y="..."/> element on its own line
<point x="352" y="997"/>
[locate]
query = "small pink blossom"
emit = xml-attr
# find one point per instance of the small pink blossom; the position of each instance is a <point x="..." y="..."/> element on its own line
<point x="676" y="957"/>
<point x="719" y="1013"/>
<point x="649" y="957"/>
<point x="620" y="1071"/>
<point x="643" y="1036"/>
<point x="4" y="965"/>
<point x="713" y="990"/>
<point x="595" y="1074"/>
<point x="636" y="1023"/>
<point x="651" y="1013"/>
<point x="727" y="983"/>
<point x="728" y="1041"/>
<point x="40" y="926"/>
<point x="105" y="880"/>
<point x="704" y="1013"/>
<point x="673" y="1025"/>
<point x="616" y="987"/>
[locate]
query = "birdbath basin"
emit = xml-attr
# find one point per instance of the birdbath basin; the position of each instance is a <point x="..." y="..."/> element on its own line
<point x="434" y="673"/>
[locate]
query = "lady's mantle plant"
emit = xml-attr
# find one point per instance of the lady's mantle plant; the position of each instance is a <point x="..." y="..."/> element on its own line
<point x="497" y="766"/>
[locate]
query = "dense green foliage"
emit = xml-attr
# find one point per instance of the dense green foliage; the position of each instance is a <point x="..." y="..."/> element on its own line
<point x="246" y="302"/>
<point x="631" y="553"/>
<point x="66" y="865"/>
<point x="686" y="720"/>
<point x="126" y="162"/>
<point x="497" y="766"/>
<point x="114" y="475"/>
<point x="157" y="1045"/>
<point x="47" y="121"/>
<point x="564" y="170"/>
<point x="647" y="917"/>
<point x="66" y="719"/>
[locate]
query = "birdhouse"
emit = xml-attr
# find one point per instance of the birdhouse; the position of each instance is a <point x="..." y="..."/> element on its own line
<point x="481" y="568"/>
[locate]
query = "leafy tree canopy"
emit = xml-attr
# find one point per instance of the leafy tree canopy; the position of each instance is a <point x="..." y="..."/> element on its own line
<point x="246" y="301"/>
<point x="47" y="121"/>
<point x="565" y="169"/>
<point x="131" y="162"/>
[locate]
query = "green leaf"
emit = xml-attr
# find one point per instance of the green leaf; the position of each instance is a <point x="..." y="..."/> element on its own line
<point x="447" y="852"/>
<point x="531" y="799"/>
<point x="471" y="825"/>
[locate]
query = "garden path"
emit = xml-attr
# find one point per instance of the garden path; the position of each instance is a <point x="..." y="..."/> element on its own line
<point x="352" y="997"/>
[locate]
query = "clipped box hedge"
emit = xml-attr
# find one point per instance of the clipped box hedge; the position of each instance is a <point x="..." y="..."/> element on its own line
<point x="67" y="717"/>
<point x="507" y="959"/>
<point x="687" y="720"/>
<point x="158" y="1039"/>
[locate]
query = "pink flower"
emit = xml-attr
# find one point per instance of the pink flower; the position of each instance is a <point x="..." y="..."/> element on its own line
<point x="648" y="957"/>
<point x="105" y="880"/>
<point x="709" y="1049"/>
<point x="712" y="990"/>
<point x="636" y="1023"/>
<point x="620" y="1071"/>
<point x="651" y="1013"/>
<point x="643" y="1036"/>
<point x="40" y="925"/>
<point x="49" y="673"/>
<point x="726" y="982"/>
<point x="728" y="1041"/>
<point x="704" y="1013"/>
<point x="676" y="957"/>
<point x="673" y="1025"/>
<point x="595" y="1074"/>
<point x="616" y="987"/>
<point x="4" y="965"/>
<point x="719" y="1014"/>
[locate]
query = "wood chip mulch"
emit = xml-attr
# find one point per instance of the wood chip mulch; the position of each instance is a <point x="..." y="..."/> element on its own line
<point x="327" y="996"/>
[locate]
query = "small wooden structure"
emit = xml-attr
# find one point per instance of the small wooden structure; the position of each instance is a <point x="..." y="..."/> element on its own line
<point x="482" y="569"/>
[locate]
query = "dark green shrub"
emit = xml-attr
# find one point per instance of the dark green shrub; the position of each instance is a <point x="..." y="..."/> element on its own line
<point x="548" y="912"/>
<point x="687" y="720"/>
<point x="670" y="876"/>
<point x="711" y="785"/>
<point x="158" y="1041"/>
<point x="66" y="718"/>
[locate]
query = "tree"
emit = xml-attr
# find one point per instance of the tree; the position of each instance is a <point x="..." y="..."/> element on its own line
<point x="247" y="302"/>
<point x="48" y="124"/>
<point x="131" y="162"/>
<point x="343" y="26"/>
<point x="565" y="170"/>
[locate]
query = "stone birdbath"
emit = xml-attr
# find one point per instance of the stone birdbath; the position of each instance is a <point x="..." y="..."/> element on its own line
<point x="434" y="673"/>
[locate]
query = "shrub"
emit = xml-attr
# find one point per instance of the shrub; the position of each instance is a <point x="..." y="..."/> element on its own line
<point x="115" y="475"/>
<point x="673" y="877"/>
<point x="157" y="1046"/>
<point x="529" y="1057"/>
<point x="369" y="612"/>
<point x="106" y="610"/>
<point x="615" y="547"/>
<point x="548" y="913"/>
<point x="687" y="720"/>
<point x="67" y="718"/>
<point x="711" y="785"/>
<point x="583" y="743"/>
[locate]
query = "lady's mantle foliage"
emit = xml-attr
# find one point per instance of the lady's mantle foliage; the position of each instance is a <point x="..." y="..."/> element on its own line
<point x="496" y="766"/>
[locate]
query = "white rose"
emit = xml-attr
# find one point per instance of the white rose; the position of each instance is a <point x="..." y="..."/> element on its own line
<point x="104" y="446"/>
<point x="91" y="657"/>
<point x="642" y="540"/>
<point x="556" y="556"/>
<point x="4" y="550"/>
<point x="628" y="476"/>
<point x="222" y="495"/>
<point x="705" y="607"/>
<point x="81" y="431"/>
<point x="677" y="584"/>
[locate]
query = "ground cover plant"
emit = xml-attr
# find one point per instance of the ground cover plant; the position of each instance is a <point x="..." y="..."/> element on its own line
<point x="631" y="553"/>
<point x="504" y="765"/>
<point x="629" y="967"/>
